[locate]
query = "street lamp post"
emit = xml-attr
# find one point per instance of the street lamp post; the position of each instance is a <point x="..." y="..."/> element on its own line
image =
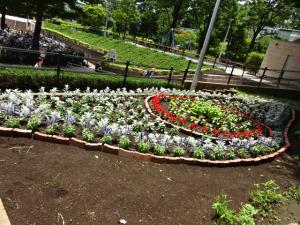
<point x="205" y="45"/>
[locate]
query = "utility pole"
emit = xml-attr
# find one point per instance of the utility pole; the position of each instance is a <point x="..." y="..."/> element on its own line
<point x="205" y="45"/>
<point x="225" y="38"/>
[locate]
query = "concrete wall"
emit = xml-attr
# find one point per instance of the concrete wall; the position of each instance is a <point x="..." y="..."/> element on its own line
<point x="276" y="55"/>
<point x="18" y="23"/>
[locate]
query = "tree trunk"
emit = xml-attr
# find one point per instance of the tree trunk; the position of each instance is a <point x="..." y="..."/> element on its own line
<point x="37" y="30"/>
<point x="203" y="34"/>
<point x="3" y="12"/>
<point x="252" y="43"/>
<point x="176" y="17"/>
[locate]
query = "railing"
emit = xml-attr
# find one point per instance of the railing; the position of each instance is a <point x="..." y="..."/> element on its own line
<point x="234" y="73"/>
<point x="61" y="62"/>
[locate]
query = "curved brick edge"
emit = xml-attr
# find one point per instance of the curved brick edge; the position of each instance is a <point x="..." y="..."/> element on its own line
<point x="149" y="157"/>
<point x="194" y="133"/>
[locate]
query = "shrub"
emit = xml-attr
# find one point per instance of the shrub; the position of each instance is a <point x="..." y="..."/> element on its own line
<point x="217" y="153"/>
<point x="243" y="153"/>
<point x="178" y="151"/>
<point x="52" y="129"/>
<point x="222" y="209"/>
<point x="33" y="123"/>
<point x="137" y="127"/>
<point x="266" y="196"/>
<point x="246" y="215"/>
<point x="69" y="131"/>
<point x="254" y="61"/>
<point x="13" y="122"/>
<point x="107" y="139"/>
<point x="144" y="147"/>
<point x="124" y="142"/>
<point x="29" y="78"/>
<point x="174" y="131"/>
<point x="199" y="153"/>
<point x="159" y="150"/>
<point x="230" y="154"/>
<point x="87" y="135"/>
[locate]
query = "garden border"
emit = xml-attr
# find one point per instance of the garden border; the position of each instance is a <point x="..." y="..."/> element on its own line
<point x="16" y="132"/>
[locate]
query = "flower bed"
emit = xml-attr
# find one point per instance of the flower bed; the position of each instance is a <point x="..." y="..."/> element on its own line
<point x="99" y="120"/>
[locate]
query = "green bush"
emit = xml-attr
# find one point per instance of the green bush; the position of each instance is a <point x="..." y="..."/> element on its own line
<point x="144" y="147"/>
<point x="107" y="139"/>
<point x="159" y="150"/>
<point x="124" y="142"/>
<point x="13" y="122"/>
<point x="87" y="135"/>
<point x="52" y="129"/>
<point x="254" y="61"/>
<point x="31" y="78"/>
<point x="33" y="123"/>
<point x="198" y="153"/>
<point x="69" y="131"/>
<point x="178" y="151"/>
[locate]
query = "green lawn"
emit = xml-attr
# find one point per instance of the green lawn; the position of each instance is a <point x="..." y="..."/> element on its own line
<point x="125" y="51"/>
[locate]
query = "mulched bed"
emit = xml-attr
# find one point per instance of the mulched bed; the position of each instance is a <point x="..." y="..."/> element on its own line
<point x="48" y="182"/>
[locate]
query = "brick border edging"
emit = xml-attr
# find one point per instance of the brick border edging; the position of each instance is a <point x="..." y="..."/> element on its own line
<point x="147" y="157"/>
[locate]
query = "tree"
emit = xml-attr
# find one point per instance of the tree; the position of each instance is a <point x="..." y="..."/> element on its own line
<point x="94" y="15"/>
<point x="178" y="9"/>
<point x="125" y="16"/>
<point x="3" y="7"/>
<point x="262" y="13"/>
<point x="44" y="9"/>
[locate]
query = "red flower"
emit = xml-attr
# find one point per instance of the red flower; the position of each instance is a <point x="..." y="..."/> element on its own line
<point x="204" y="129"/>
<point x="193" y="125"/>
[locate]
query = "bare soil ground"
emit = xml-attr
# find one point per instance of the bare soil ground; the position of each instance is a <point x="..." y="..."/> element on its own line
<point x="43" y="183"/>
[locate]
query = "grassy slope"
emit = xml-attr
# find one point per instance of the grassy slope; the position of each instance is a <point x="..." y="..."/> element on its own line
<point x="125" y="51"/>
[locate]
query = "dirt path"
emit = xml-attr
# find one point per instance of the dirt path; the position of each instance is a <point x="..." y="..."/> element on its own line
<point x="43" y="183"/>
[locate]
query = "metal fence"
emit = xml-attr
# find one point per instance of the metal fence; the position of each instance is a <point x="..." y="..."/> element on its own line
<point x="224" y="73"/>
<point x="60" y="62"/>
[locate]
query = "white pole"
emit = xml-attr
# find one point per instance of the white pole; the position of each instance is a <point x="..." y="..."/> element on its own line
<point x="205" y="45"/>
<point x="225" y="38"/>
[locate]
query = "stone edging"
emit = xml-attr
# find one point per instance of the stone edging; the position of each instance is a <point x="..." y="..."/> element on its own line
<point x="147" y="157"/>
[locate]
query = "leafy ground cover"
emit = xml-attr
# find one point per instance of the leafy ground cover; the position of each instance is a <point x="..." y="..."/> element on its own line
<point x="263" y="205"/>
<point x="120" y="118"/>
<point x="31" y="78"/>
<point x="125" y="51"/>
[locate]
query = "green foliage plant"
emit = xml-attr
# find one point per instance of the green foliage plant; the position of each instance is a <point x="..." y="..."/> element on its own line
<point x="13" y="122"/>
<point x="178" y="151"/>
<point x="88" y="135"/>
<point x="33" y="123"/>
<point x="254" y="60"/>
<point x="69" y="130"/>
<point x="144" y="147"/>
<point x="159" y="150"/>
<point x="174" y="131"/>
<point x="198" y="153"/>
<point x="106" y="139"/>
<point x="124" y="142"/>
<point x="266" y="196"/>
<point x="223" y="211"/>
<point x="52" y="129"/>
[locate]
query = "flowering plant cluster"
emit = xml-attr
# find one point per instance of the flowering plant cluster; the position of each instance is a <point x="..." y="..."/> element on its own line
<point x="207" y="117"/>
<point x="119" y="117"/>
